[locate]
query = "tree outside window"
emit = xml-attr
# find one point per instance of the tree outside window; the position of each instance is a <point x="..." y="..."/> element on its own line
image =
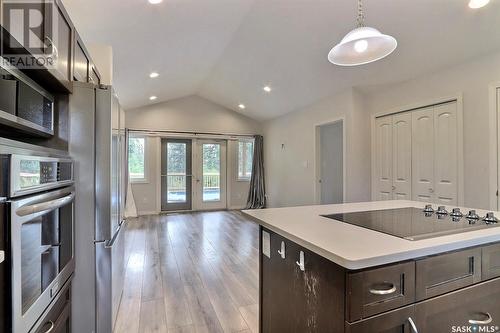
<point x="137" y="159"/>
<point x="245" y="159"/>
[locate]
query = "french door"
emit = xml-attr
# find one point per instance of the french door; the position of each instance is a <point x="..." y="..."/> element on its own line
<point x="176" y="174"/>
<point x="210" y="175"/>
<point x="193" y="174"/>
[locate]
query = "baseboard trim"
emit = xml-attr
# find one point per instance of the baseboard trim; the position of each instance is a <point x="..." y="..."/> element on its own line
<point x="147" y="212"/>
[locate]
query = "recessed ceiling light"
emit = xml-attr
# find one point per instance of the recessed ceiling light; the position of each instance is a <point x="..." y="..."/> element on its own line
<point x="153" y="75"/>
<point x="476" y="4"/>
<point x="242" y="106"/>
<point x="152" y="98"/>
<point x="155" y="2"/>
<point x="267" y="89"/>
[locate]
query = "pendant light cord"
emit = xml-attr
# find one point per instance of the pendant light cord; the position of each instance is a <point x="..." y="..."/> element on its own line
<point x="361" y="14"/>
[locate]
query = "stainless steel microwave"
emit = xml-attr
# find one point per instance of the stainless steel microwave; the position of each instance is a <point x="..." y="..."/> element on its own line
<point x="24" y="105"/>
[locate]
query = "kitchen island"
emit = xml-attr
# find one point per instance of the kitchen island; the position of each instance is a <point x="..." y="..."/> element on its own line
<point x="318" y="274"/>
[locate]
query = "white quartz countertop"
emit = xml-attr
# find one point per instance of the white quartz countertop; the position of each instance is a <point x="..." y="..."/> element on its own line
<point x="355" y="247"/>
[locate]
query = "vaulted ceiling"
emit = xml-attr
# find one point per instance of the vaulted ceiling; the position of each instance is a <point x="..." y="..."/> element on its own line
<point x="228" y="50"/>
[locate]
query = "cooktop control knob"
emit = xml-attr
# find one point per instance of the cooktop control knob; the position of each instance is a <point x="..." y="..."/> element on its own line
<point x="428" y="209"/>
<point x="472" y="215"/>
<point x="456" y="213"/>
<point x="490" y="218"/>
<point x="442" y="210"/>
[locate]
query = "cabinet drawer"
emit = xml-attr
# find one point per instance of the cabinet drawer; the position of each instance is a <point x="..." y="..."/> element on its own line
<point x="396" y="321"/>
<point x="477" y="305"/>
<point x="447" y="272"/>
<point x="57" y="317"/>
<point x="378" y="290"/>
<point x="491" y="262"/>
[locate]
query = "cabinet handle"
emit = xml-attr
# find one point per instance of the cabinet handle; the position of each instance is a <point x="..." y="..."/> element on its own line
<point x="390" y="290"/>
<point x="51" y="328"/>
<point x="301" y="262"/>
<point x="282" y="252"/>
<point x="482" y="322"/>
<point x="412" y="325"/>
<point x="55" y="51"/>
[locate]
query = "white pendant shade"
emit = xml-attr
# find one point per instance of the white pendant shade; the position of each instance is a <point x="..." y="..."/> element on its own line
<point x="362" y="46"/>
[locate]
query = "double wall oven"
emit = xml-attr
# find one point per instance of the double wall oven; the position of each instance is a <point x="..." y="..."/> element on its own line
<point x="37" y="235"/>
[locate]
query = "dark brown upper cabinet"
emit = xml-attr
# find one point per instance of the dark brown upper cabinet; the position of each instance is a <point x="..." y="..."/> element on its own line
<point x="54" y="44"/>
<point x="95" y="75"/>
<point x="62" y="45"/>
<point x="81" y="63"/>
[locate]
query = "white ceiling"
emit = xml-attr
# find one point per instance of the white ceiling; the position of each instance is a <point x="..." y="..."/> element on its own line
<point x="227" y="50"/>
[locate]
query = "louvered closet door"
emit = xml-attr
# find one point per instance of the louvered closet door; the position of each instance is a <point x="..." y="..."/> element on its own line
<point x="446" y="154"/>
<point x="383" y="155"/>
<point x="423" y="154"/>
<point x="401" y="166"/>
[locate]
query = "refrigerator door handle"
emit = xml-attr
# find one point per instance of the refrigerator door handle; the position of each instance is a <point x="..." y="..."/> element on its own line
<point x="110" y="243"/>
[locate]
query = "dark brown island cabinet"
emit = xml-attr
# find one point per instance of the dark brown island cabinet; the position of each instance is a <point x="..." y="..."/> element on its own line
<point x="300" y="291"/>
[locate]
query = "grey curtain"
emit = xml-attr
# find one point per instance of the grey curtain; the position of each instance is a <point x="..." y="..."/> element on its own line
<point x="257" y="195"/>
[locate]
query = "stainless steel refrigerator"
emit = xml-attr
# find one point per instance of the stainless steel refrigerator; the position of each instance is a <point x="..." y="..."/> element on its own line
<point x="97" y="144"/>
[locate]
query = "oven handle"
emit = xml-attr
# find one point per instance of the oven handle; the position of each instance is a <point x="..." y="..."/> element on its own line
<point x="44" y="206"/>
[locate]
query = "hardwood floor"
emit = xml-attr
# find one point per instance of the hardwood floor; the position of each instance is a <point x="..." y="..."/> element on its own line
<point x="190" y="273"/>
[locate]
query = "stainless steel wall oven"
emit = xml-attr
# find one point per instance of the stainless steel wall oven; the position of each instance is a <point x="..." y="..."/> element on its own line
<point x="37" y="205"/>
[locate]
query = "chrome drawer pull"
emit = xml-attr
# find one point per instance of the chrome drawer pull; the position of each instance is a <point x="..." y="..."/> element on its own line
<point x="301" y="263"/>
<point x="51" y="328"/>
<point x="392" y="289"/>
<point x="482" y="322"/>
<point x="282" y="252"/>
<point x="412" y="325"/>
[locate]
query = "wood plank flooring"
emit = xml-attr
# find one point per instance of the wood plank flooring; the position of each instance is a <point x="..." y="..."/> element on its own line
<point x="190" y="273"/>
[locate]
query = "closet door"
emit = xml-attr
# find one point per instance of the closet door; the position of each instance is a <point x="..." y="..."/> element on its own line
<point x="446" y="154"/>
<point x="423" y="154"/>
<point x="401" y="166"/>
<point x="383" y="158"/>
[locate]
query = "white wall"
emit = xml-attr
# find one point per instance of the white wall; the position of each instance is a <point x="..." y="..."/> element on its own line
<point x="191" y="113"/>
<point x="290" y="158"/>
<point x="102" y="55"/>
<point x="471" y="79"/>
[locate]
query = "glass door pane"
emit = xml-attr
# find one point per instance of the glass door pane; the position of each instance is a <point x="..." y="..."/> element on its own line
<point x="211" y="172"/>
<point x="176" y="175"/>
<point x="176" y="172"/>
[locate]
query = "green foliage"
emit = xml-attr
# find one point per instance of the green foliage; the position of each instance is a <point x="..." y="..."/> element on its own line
<point x="136" y="156"/>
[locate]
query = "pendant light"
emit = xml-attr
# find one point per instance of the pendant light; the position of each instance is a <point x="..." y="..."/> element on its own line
<point x="362" y="45"/>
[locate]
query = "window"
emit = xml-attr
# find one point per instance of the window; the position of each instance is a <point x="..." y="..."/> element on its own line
<point x="137" y="159"/>
<point x="245" y="159"/>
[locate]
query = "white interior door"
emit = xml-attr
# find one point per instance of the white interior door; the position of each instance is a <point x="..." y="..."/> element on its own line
<point x="401" y="168"/>
<point x="423" y="154"/>
<point x="383" y="158"/>
<point x="446" y="154"/>
<point x="210" y="176"/>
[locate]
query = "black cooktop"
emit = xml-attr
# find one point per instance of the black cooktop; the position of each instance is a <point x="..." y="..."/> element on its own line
<point x="411" y="223"/>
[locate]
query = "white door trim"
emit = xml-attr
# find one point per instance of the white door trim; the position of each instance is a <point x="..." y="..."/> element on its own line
<point x="494" y="123"/>
<point x="460" y="136"/>
<point x="317" y="157"/>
